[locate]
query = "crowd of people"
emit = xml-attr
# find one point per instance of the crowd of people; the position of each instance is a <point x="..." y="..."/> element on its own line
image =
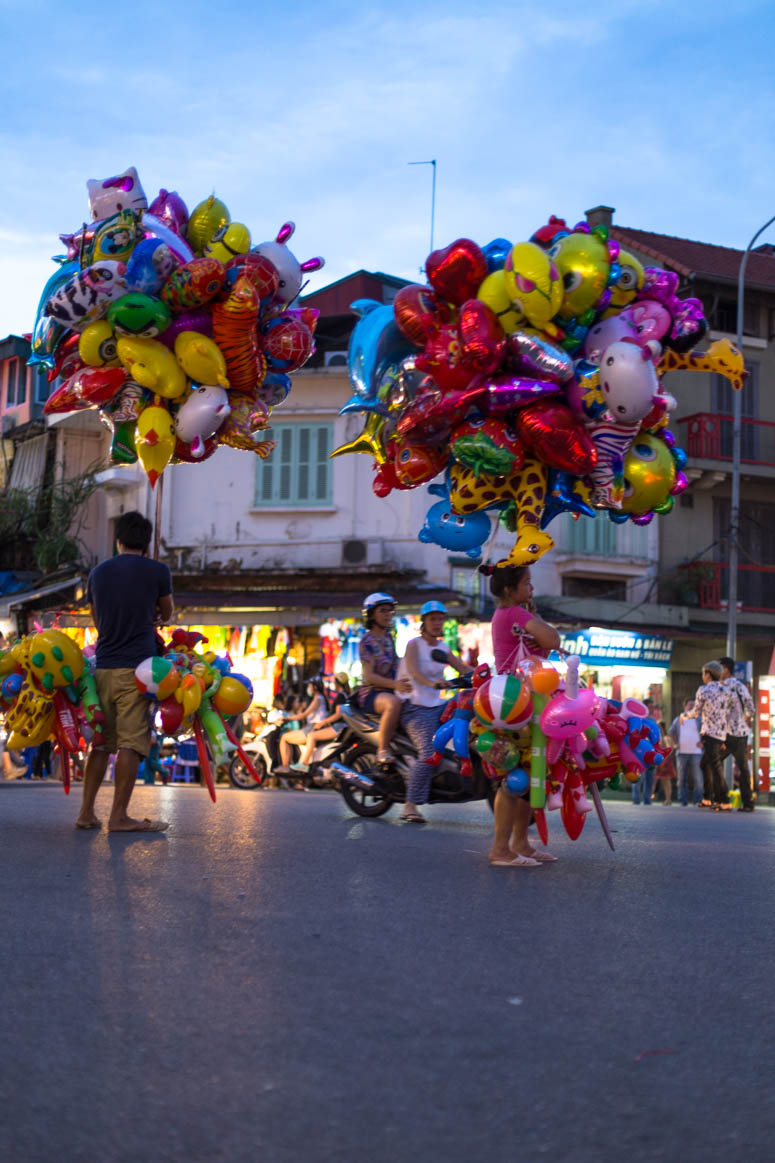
<point x="131" y="596"/>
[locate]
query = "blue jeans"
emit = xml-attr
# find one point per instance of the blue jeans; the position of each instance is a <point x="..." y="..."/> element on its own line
<point x="644" y="787"/>
<point x="689" y="765"/>
<point x="420" y="724"/>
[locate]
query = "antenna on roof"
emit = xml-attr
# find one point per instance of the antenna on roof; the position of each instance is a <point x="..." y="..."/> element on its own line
<point x="433" y="196"/>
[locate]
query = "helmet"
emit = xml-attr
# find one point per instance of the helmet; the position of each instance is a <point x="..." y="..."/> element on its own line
<point x="372" y="601"/>
<point x="432" y="608"/>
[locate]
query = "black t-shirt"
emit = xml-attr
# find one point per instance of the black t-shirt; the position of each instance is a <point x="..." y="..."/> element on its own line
<point x="124" y="591"/>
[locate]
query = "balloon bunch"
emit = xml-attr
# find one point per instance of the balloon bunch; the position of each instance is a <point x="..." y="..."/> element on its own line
<point x="47" y="691"/>
<point x="172" y="324"/>
<point x="536" y="731"/>
<point x="530" y="374"/>
<point x="195" y="693"/>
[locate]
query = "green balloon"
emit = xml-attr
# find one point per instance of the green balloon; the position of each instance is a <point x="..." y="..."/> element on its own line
<point x="137" y="314"/>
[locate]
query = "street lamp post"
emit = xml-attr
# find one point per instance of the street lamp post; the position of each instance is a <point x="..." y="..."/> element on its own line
<point x="734" y="522"/>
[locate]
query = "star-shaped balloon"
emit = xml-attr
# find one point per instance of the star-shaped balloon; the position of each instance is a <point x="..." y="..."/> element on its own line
<point x="370" y="440"/>
<point x="562" y="497"/>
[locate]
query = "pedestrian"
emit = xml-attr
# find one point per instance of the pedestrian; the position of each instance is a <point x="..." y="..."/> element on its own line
<point x="685" y="733"/>
<point x="710" y="707"/>
<point x="381" y="687"/>
<point x="739" y="716"/>
<point x="517" y="633"/>
<point x="421" y="711"/>
<point x="130" y="594"/>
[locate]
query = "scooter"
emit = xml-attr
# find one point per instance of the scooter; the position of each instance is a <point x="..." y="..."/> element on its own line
<point x="263" y="750"/>
<point x="370" y="793"/>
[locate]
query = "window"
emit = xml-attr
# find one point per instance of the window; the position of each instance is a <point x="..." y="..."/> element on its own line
<point x="721" y="397"/>
<point x="594" y="587"/>
<point x="12" y="381"/>
<point x="42" y="388"/>
<point x="299" y="471"/>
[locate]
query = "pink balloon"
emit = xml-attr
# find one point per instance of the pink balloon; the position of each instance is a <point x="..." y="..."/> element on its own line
<point x="169" y="208"/>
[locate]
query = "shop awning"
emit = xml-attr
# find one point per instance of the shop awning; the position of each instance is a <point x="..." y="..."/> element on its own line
<point x="23" y="597"/>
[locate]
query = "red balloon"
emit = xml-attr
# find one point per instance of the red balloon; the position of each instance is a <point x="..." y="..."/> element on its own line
<point x="67" y="360"/>
<point x="458" y="271"/>
<point x="171" y="713"/>
<point x="419" y="311"/>
<point x="87" y="388"/>
<point x="443" y="359"/>
<point x="184" y="455"/>
<point x="482" y="337"/>
<point x="539" y="816"/>
<point x="415" y="464"/>
<point x="572" y="821"/>
<point x="257" y="269"/>
<point x="551" y="431"/>
<point x="286" y="342"/>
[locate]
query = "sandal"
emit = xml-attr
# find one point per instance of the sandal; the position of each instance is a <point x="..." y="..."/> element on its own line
<point x="519" y="861"/>
<point x="413" y="818"/>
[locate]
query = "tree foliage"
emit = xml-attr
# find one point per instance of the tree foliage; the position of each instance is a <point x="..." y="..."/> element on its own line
<point x="40" y="526"/>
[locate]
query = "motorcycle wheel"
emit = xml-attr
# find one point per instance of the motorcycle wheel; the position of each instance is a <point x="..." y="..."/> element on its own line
<point x="363" y="803"/>
<point x="240" y="777"/>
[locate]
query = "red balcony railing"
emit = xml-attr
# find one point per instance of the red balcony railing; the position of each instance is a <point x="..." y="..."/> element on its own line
<point x="709" y="437"/>
<point x="707" y="585"/>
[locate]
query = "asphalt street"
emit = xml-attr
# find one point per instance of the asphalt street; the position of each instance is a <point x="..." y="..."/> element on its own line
<point x="274" y="979"/>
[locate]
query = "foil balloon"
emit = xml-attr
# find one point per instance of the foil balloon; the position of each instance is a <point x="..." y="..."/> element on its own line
<point x="289" y="270"/>
<point x="457" y="271"/>
<point x="487" y="445"/>
<point x="138" y="314"/>
<point x="192" y="284"/>
<point x="170" y="209"/>
<point x="259" y="270"/>
<point x="155" y="229"/>
<point x="419" y="311"/>
<point x="531" y="355"/>
<point x="482" y="338"/>
<point x="201" y="359"/>
<point x="205" y="219"/>
<point x="649" y="475"/>
<point x="552" y="432"/>
<point x="111" y="195"/>
<point x="241" y="428"/>
<point x="90" y="387"/>
<point x="376" y="345"/>
<point x="234" y="323"/>
<point x="584" y="263"/>
<point x="287" y="343"/>
<point x="495" y="293"/>
<point x="201" y="415"/>
<point x="153" y="366"/>
<point x="97" y="345"/>
<point x="233" y="238"/>
<point x="87" y="295"/>
<point x="199" y="321"/>
<point x="452" y="532"/>
<point x="496" y="253"/>
<point x="149" y="266"/>
<point x="155" y="440"/>
<point x="534" y="285"/>
<point x="47" y="334"/>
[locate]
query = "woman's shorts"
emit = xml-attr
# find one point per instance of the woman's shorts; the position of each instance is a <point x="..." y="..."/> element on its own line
<point x="366" y="700"/>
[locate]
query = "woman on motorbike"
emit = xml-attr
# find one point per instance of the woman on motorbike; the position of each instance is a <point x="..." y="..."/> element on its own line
<point x="379" y="663"/>
<point x="327" y="728"/>
<point x="421" y="712"/>
<point x="517" y="632"/>
<point x="315" y="710"/>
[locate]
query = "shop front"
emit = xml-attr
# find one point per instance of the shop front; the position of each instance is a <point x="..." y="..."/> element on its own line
<point x="623" y="664"/>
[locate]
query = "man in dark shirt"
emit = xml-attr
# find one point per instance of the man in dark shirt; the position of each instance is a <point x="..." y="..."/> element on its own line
<point x="129" y="595"/>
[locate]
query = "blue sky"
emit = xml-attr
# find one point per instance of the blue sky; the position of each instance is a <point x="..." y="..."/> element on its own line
<point x="664" y="110"/>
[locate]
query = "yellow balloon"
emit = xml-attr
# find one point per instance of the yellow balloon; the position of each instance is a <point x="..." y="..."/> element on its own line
<point x="153" y="366"/>
<point x="629" y="282"/>
<point x="97" y="345"/>
<point x="155" y="440"/>
<point x="201" y="359"/>
<point x="55" y="659"/>
<point x="649" y="475"/>
<point x="229" y="240"/>
<point x="583" y="263"/>
<point x="533" y="283"/>
<point x="495" y="294"/>
<point x="203" y="222"/>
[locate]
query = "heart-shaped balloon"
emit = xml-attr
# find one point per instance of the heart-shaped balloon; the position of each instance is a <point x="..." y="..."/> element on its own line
<point x="482" y="337"/>
<point x="419" y="311"/>
<point x="572" y="821"/>
<point x="457" y="271"/>
<point x="551" y="431"/>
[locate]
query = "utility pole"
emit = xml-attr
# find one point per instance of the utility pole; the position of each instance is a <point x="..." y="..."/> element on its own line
<point x="433" y="192"/>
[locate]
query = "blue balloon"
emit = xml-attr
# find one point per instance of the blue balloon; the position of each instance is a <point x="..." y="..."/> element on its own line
<point x="560" y="498"/>
<point x="48" y="333"/>
<point x="376" y="347"/>
<point x="496" y="253"/>
<point x="11" y="685"/>
<point x="457" y="534"/>
<point x="517" y="781"/>
<point x="150" y="265"/>
<point x="679" y="456"/>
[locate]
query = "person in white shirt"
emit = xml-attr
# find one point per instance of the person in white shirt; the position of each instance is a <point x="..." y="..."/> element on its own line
<point x="739" y="715"/>
<point x="685" y="733"/>
<point x="421" y="712"/>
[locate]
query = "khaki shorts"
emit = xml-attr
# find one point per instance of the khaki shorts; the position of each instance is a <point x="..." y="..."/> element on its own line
<point x="126" y="711"/>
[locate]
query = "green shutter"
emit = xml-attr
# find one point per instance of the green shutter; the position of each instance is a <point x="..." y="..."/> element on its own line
<point x="299" y="471"/>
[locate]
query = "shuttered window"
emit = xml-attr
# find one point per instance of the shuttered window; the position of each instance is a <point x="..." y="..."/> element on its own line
<point x="299" y="471"/>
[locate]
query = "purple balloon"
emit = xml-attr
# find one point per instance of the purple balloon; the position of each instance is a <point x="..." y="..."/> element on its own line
<point x="643" y="519"/>
<point x="169" y="208"/>
<point x="200" y="321"/>
<point x="667" y="437"/>
<point x="504" y="393"/>
<point x="681" y="483"/>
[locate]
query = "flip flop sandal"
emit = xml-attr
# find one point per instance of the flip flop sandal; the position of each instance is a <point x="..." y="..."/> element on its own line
<point x="519" y="861"/>
<point x="412" y="818"/>
<point x="543" y="857"/>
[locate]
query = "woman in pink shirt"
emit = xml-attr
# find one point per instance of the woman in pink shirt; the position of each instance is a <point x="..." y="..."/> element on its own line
<point x="517" y="632"/>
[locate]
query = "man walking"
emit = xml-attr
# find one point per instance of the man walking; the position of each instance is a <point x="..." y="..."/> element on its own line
<point x="129" y="595"/>
<point x="710" y="707"/>
<point x="739" y="715"/>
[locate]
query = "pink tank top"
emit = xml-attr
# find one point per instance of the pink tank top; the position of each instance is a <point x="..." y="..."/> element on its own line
<point x="510" y="642"/>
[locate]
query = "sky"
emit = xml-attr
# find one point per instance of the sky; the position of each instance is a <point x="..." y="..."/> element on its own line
<point x="312" y="112"/>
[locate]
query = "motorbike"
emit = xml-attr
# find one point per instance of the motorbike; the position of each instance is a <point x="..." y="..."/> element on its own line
<point x="263" y="750"/>
<point x="371" y="793"/>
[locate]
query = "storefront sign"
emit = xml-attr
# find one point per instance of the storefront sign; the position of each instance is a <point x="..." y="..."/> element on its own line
<point x="618" y="647"/>
<point x="764" y="741"/>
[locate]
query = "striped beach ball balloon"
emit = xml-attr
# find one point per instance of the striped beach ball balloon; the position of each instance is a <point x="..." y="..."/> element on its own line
<point x="503" y="703"/>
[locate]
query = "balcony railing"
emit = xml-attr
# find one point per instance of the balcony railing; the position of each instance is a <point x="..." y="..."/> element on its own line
<point x="706" y="584"/>
<point x="709" y="437"/>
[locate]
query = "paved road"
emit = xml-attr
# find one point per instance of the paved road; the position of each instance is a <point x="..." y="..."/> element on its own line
<point x="276" y="980"/>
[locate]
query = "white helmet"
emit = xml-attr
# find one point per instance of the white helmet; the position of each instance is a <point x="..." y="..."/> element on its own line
<point x="372" y="601"/>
